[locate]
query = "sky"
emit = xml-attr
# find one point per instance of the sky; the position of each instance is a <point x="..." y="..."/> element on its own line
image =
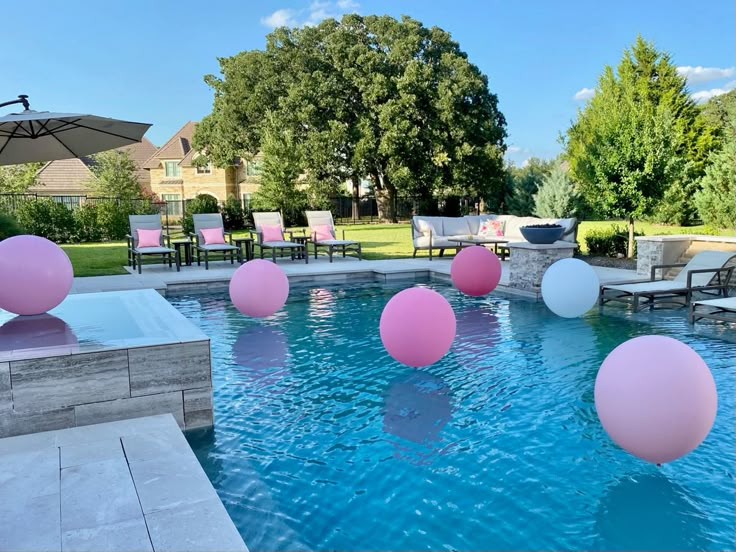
<point x="144" y="60"/>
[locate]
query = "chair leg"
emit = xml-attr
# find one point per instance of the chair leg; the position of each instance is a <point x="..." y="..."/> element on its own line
<point x="306" y="254"/>
<point x="177" y="258"/>
<point x="206" y="260"/>
<point x="414" y="256"/>
<point x="139" y="263"/>
<point x="315" y="250"/>
<point x="273" y="254"/>
<point x="170" y="260"/>
<point x="360" y="252"/>
<point x="329" y="252"/>
<point x="343" y="251"/>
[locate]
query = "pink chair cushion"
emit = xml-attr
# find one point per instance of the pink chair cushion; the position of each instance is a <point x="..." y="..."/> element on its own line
<point x="323" y="232"/>
<point x="213" y="236"/>
<point x="272" y="232"/>
<point x="149" y="238"/>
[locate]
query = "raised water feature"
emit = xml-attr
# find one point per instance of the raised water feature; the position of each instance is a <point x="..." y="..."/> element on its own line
<point x="101" y="357"/>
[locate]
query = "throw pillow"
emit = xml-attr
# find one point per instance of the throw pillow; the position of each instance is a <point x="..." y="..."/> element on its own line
<point x="491" y="229"/>
<point x="272" y="232"/>
<point x="213" y="236"/>
<point x="149" y="238"/>
<point x="322" y="232"/>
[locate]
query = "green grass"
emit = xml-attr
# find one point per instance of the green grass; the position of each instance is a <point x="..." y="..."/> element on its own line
<point x="380" y="241"/>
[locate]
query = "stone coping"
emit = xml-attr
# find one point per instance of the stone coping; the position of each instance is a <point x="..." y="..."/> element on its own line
<point x="118" y="486"/>
<point x="559" y="244"/>
<point x="685" y="237"/>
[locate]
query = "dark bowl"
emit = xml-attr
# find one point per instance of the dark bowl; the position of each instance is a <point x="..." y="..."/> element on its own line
<point x="542" y="235"/>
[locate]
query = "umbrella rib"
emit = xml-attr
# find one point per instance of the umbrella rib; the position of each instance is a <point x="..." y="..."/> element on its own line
<point x="55" y="137"/>
<point x="10" y="136"/>
<point x="76" y="125"/>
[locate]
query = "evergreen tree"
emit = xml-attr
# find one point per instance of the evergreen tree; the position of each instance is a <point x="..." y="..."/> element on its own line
<point x="522" y="183"/>
<point x="716" y="201"/>
<point x="557" y="197"/>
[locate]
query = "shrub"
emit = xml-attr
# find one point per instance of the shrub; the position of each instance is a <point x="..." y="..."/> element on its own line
<point x="556" y="196"/>
<point x="9" y="226"/>
<point x="232" y="215"/>
<point x="200" y="204"/>
<point x="86" y="223"/>
<point x="609" y="242"/>
<point x="47" y="218"/>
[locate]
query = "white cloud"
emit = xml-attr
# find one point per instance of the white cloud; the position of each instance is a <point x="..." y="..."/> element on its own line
<point x="584" y="94"/>
<point x="514" y="149"/>
<point x="316" y="12"/>
<point x="280" y="18"/>
<point x="705" y="95"/>
<point x="699" y="73"/>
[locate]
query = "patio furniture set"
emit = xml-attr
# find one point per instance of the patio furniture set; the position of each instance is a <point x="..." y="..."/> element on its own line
<point x="209" y="239"/>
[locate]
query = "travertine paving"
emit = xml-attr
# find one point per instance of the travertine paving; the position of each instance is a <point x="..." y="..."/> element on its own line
<point x="132" y="485"/>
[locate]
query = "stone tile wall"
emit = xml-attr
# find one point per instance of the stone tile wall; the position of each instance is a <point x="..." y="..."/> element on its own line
<point x="56" y="392"/>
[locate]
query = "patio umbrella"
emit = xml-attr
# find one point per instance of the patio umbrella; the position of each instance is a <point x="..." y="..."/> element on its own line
<point x="43" y="136"/>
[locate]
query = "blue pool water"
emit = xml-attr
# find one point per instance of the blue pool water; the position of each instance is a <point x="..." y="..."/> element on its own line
<point x="323" y="442"/>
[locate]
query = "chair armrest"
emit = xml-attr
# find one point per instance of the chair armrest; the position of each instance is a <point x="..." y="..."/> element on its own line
<point x="727" y="270"/>
<point x="167" y="240"/>
<point x="655" y="267"/>
<point x="130" y="240"/>
<point x="290" y="233"/>
<point x="195" y="238"/>
<point x="228" y="236"/>
<point x="258" y="236"/>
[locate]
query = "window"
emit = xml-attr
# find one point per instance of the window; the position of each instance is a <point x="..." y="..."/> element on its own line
<point x="246" y="202"/>
<point x="172" y="168"/>
<point x="205" y="169"/>
<point x="173" y="204"/>
<point x="252" y="168"/>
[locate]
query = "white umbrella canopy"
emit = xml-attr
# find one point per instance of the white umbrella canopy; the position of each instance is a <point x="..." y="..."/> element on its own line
<point x="43" y="136"/>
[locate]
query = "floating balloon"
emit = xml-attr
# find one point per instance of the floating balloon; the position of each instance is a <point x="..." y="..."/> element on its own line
<point x="417" y="326"/>
<point x="259" y="288"/>
<point x="475" y="271"/>
<point x="570" y="288"/>
<point x="656" y="398"/>
<point x="37" y="275"/>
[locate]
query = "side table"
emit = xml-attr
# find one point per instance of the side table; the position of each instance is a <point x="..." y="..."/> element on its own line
<point x="186" y="245"/>
<point x="302" y="240"/>
<point x="246" y="248"/>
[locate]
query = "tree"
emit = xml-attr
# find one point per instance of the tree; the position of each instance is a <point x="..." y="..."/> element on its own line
<point x="115" y="175"/>
<point x="716" y="201"/>
<point x="365" y="96"/>
<point x="280" y="171"/>
<point x="634" y="139"/>
<point x="522" y="183"/>
<point x="18" y="179"/>
<point x="557" y="197"/>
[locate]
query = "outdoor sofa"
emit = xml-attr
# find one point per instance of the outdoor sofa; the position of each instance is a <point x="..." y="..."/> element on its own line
<point x="707" y="272"/>
<point x="159" y="247"/>
<point x="323" y="235"/>
<point x="436" y="233"/>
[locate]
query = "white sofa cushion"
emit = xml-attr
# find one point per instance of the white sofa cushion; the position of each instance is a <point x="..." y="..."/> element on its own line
<point x="425" y="224"/>
<point x="474" y="222"/>
<point x="455" y="226"/>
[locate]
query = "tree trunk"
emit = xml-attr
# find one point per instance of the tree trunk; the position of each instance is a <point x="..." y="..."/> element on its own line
<point x="630" y="249"/>
<point x="385" y="198"/>
<point x="356" y="198"/>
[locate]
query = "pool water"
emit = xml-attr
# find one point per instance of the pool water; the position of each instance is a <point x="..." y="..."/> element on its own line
<point x="322" y="441"/>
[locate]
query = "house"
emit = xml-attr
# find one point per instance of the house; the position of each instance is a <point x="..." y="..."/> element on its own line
<point x="175" y="176"/>
<point x="68" y="179"/>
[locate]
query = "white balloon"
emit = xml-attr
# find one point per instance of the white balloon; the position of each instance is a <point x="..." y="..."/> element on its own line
<point x="570" y="288"/>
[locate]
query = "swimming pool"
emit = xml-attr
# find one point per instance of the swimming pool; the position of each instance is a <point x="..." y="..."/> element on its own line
<point x="322" y="441"/>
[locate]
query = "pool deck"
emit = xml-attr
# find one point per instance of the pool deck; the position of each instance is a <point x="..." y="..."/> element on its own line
<point x="193" y="278"/>
<point x="132" y="485"/>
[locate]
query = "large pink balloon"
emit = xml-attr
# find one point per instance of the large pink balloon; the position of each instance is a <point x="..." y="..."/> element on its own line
<point x="417" y="326"/>
<point x="36" y="275"/>
<point x="259" y="288"/>
<point x="656" y="398"/>
<point x="475" y="270"/>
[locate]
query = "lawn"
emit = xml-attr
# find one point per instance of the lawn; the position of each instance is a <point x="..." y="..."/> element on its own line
<point x="380" y="241"/>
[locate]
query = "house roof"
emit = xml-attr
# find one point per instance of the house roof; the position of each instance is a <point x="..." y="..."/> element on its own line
<point x="177" y="147"/>
<point x="64" y="177"/>
<point x="139" y="153"/>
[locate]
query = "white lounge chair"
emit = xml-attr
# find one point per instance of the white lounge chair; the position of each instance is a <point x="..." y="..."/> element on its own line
<point x="715" y="309"/>
<point x="163" y="250"/>
<point x="205" y="221"/>
<point x="705" y="273"/>
<point x="273" y="219"/>
<point x="324" y="218"/>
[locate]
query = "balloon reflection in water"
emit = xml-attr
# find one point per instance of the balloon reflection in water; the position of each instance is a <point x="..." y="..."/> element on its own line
<point x="261" y="354"/>
<point x="42" y="331"/>
<point x="478" y="331"/>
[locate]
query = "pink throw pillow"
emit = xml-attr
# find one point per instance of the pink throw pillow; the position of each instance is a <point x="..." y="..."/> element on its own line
<point x="491" y="228"/>
<point x="149" y="238"/>
<point x="213" y="236"/>
<point x="272" y="232"/>
<point x="323" y="232"/>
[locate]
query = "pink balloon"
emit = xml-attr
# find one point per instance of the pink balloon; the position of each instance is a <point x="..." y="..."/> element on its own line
<point x="36" y="275"/>
<point x="417" y="326"/>
<point x="475" y="270"/>
<point x="259" y="288"/>
<point x="656" y="398"/>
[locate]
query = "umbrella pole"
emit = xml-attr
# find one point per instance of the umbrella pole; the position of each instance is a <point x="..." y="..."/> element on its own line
<point x="22" y="99"/>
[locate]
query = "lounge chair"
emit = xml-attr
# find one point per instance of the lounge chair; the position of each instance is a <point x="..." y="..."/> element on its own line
<point x="715" y="309"/>
<point x="222" y="245"/>
<point x="705" y="273"/>
<point x="269" y="234"/>
<point x="153" y="245"/>
<point x="323" y="234"/>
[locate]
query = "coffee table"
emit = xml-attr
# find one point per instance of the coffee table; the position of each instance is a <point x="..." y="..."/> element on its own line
<point x="499" y="244"/>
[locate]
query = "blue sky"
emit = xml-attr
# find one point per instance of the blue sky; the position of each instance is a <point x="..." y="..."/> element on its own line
<point x="143" y="60"/>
